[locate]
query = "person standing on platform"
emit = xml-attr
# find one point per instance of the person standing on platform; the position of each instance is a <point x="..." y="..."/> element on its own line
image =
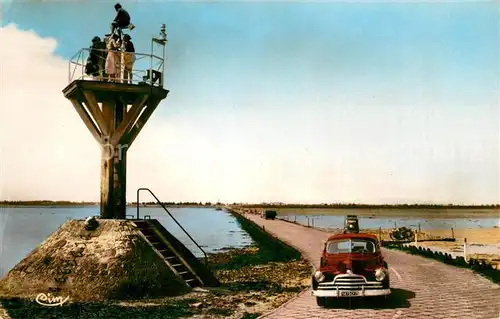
<point x="100" y="50"/>
<point x="92" y="68"/>
<point x="113" y="59"/>
<point x="128" y="58"/>
<point x="96" y="59"/>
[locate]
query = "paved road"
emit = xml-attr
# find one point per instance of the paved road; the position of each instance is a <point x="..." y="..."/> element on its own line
<point x="421" y="288"/>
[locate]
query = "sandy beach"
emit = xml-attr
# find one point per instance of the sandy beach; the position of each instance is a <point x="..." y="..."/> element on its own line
<point x="482" y="243"/>
<point x="473" y="235"/>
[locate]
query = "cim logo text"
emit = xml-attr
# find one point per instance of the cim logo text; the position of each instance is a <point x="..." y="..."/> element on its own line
<point x="50" y="301"/>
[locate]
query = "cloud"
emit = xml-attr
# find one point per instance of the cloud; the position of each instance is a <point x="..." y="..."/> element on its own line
<point x="46" y="150"/>
<point x="48" y="153"/>
<point x="337" y="150"/>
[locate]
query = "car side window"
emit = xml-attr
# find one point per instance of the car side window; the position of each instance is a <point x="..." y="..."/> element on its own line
<point x="370" y="247"/>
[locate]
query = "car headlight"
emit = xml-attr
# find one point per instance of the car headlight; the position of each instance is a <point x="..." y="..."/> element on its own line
<point x="318" y="275"/>
<point x="380" y="274"/>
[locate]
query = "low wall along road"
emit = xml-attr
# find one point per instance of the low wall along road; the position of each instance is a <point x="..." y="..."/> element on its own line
<point x="421" y="287"/>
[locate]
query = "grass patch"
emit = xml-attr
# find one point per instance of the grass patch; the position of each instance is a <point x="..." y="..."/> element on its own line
<point x="247" y="315"/>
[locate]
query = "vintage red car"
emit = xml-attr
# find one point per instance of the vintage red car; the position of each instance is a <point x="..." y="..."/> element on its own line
<point x="351" y="265"/>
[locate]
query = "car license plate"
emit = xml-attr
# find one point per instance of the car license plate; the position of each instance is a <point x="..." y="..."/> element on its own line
<point x="349" y="293"/>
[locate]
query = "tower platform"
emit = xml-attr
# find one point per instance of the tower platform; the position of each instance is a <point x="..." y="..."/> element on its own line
<point x="104" y="91"/>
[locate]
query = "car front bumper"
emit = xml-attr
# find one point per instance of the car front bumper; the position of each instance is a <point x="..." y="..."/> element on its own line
<point x="339" y="293"/>
<point x="350" y="285"/>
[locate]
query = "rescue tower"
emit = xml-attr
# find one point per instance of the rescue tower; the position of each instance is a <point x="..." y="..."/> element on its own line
<point x="115" y="111"/>
<point x="157" y="264"/>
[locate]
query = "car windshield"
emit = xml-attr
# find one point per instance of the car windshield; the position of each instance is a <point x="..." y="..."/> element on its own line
<point x="352" y="245"/>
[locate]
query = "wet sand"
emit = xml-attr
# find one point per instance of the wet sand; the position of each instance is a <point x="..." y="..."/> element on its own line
<point x="473" y="235"/>
<point x="482" y="243"/>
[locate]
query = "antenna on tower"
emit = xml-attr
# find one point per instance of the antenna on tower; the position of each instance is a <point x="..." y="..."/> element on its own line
<point x="163" y="33"/>
<point x="160" y="42"/>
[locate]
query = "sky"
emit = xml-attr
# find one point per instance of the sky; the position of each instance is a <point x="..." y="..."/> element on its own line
<point x="303" y="102"/>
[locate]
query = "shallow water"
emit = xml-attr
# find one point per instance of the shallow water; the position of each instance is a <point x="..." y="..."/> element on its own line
<point x="24" y="228"/>
<point x="333" y="221"/>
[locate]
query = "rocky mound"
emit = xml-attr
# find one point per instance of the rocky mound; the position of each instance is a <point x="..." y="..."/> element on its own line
<point x="111" y="262"/>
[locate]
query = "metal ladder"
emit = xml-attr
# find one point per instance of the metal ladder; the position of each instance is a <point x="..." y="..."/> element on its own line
<point x="178" y="266"/>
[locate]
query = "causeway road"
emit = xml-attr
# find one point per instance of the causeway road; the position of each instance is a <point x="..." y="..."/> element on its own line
<point x="421" y="287"/>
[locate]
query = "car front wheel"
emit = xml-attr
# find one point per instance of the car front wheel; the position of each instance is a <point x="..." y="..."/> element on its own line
<point x="321" y="301"/>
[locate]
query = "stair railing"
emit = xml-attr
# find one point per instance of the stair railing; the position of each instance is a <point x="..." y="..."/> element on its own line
<point x="175" y="220"/>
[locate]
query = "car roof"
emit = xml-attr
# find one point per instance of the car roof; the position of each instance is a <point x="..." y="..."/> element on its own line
<point x="353" y="235"/>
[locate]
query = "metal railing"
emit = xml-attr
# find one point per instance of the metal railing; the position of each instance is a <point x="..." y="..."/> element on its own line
<point x="309" y="219"/>
<point x="175" y="220"/>
<point x="146" y="69"/>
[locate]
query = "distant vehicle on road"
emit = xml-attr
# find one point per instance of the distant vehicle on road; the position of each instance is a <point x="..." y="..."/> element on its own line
<point x="351" y="224"/>
<point x="269" y="214"/>
<point x="351" y="265"/>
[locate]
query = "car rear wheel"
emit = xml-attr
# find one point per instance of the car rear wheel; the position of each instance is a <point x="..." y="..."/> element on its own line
<point x="321" y="301"/>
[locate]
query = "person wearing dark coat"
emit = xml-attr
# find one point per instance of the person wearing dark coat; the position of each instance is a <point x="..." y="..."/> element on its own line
<point x="96" y="59"/>
<point x="121" y="21"/>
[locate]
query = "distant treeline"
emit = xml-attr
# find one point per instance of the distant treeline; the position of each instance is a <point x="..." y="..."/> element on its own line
<point x="261" y="205"/>
<point x="45" y="203"/>
<point x="83" y="203"/>
<point x="179" y="203"/>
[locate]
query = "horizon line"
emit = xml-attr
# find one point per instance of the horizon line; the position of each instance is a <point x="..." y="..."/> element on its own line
<point x="275" y="204"/>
